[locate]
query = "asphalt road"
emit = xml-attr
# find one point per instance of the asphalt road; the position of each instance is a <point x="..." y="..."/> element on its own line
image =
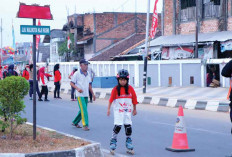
<point x="153" y="127"/>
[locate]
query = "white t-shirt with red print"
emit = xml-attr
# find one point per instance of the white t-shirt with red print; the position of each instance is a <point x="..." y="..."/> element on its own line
<point x="123" y="105"/>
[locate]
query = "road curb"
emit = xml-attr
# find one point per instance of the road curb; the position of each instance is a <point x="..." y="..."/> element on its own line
<point x="215" y="106"/>
<point x="93" y="149"/>
<point x="193" y="104"/>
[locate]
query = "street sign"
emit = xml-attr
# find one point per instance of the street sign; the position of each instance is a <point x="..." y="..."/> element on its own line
<point x="34" y="30"/>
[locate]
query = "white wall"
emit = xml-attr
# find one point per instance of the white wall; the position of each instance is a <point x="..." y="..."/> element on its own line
<point x="110" y="68"/>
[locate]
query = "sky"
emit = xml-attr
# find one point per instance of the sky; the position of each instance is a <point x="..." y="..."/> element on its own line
<point x="60" y="9"/>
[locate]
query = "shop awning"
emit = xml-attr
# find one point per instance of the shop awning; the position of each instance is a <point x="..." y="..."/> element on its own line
<point x="174" y="40"/>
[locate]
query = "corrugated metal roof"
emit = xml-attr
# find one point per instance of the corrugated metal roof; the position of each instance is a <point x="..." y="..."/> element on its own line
<point x="190" y="39"/>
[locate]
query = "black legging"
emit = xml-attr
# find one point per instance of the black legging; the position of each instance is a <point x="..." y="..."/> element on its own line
<point x="44" y="91"/>
<point x="31" y="88"/>
<point x="231" y="112"/>
<point x="72" y="92"/>
<point x="90" y="96"/>
<point x="57" y="89"/>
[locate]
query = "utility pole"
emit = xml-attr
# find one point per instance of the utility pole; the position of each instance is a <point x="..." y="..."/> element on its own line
<point x="146" y="48"/>
<point x="34" y="82"/>
<point x="197" y="24"/>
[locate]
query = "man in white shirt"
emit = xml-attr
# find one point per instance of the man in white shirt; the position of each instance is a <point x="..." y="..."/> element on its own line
<point x="81" y="81"/>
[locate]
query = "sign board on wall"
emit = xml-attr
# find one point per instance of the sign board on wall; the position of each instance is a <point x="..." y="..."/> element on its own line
<point x="34" y="30"/>
<point x="177" y="52"/>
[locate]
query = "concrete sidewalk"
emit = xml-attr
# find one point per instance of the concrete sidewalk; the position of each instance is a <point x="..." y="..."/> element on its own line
<point x="212" y="99"/>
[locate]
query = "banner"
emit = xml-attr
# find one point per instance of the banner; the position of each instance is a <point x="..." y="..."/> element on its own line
<point x="177" y="52"/>
<point x="154" y="23"/>
<point x="38" y="37"/>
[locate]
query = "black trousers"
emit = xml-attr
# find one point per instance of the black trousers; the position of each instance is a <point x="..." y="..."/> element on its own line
<point x="45" y="92"/>
<point x="57" y="90"/>
<point x="72" y="92"/>
<point x="231" y="111"/>
<point x="31" y="88"/>
<point x="90" y="96"/>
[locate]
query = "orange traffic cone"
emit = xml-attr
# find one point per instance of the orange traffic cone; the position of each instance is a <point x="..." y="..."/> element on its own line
<point x="180" y="141"/>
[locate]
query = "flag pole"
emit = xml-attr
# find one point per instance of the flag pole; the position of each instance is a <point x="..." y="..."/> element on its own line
<point x="146" y="48"/>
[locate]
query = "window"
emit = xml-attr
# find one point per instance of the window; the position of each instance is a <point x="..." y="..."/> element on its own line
<point x="188" y="10"/>
<point x="211" y="8"/>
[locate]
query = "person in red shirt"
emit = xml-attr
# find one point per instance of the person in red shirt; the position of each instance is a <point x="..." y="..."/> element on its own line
<point x="1" y="73"/>
<point x="4" y="71"/>
<point x="57" y="81"/>
<point x="26" y="74"/>
<point x="124" y="99"/>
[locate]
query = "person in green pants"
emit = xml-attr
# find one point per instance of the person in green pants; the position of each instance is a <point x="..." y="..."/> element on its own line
<point x="81" y="81"/>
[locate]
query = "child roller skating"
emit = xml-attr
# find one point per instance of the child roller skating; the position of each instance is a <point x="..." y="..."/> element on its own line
<point x="124" y="99"/>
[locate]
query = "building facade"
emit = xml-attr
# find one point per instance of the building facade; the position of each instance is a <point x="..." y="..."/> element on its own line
<point x="180" y="25"/>
<point x="56" y="37"/>
<point x="97" y="33"/>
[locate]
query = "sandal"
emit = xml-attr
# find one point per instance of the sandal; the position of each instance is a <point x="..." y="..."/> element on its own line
<point x="78" y="126"/>
<point x="85" y="128"/>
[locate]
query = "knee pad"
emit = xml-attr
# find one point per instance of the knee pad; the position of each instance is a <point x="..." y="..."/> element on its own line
<point x="117" y="129"/>
<point x="128" y="130"/>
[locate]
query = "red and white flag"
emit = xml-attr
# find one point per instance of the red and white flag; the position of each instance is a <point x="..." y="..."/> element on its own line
<point x="38" y="37"/>
<point x="154" y="23"/>
<point x="69" y="43"/>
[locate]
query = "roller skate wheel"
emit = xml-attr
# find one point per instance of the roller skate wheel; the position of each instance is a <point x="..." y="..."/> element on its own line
<point x="131" y="152"/>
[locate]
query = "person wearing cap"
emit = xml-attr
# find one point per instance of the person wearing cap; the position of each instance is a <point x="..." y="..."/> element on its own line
<point x="81" y="81"/>
<point x="72" y="89"/>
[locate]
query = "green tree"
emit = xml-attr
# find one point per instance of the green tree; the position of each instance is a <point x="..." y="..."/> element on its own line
<point x="12" y="91"/>
<point x="63" y="49"/>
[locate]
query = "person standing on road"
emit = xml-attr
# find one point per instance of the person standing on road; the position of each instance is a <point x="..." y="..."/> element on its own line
<point x="92" y="75"/>
<point x="72" y="89"/>
<point x="227" y="72"/>
<point x="17" y="70"/>
<point x="124" y="99"/>
<point x="31" y="82"/>
<point x="10" y="72"/>
<point x="81" y="82"/>
<point x="1" y="73"/>
<point x="57" y="81"/>
<point x="26" y="74"/>
<point x="4" y="71"/>
<point x="43" y="78"/>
